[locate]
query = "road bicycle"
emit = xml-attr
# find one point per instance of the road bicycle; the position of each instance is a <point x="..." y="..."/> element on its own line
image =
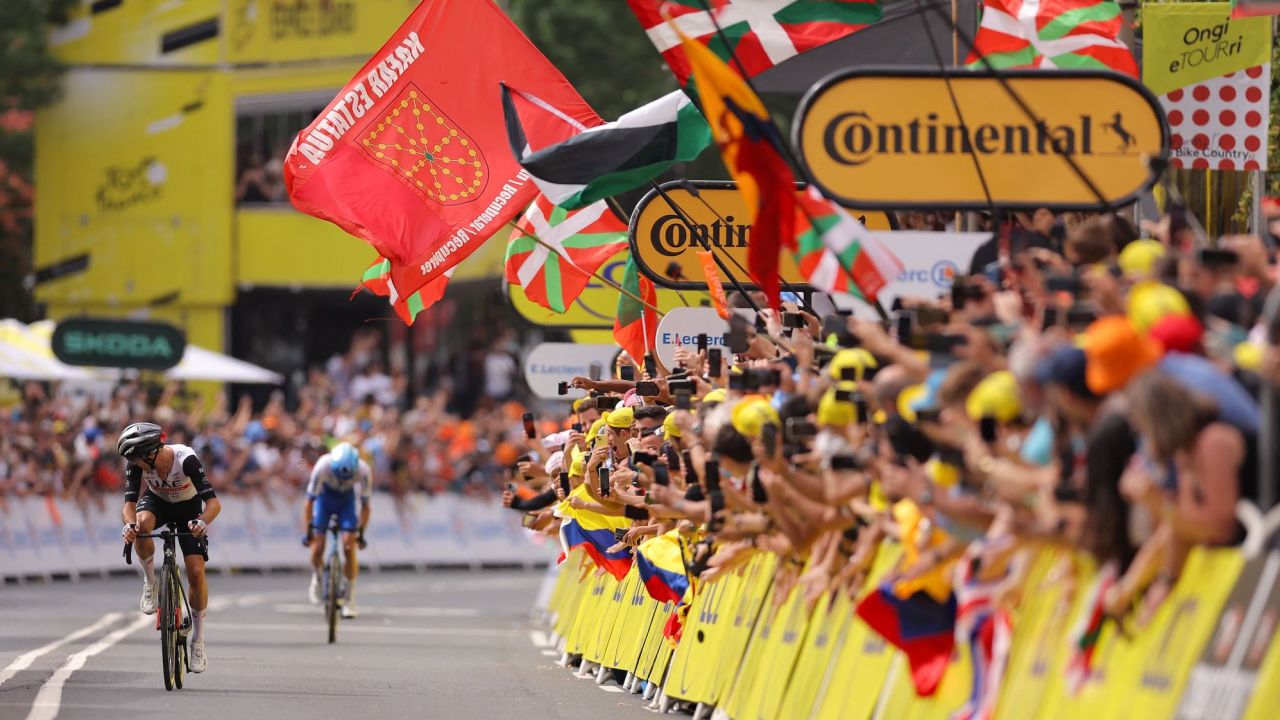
<point x="173" y="616"/>
<point x="334" y="580"/>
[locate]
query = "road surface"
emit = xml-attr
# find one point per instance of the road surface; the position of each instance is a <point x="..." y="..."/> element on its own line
<point x="441" y="644"/>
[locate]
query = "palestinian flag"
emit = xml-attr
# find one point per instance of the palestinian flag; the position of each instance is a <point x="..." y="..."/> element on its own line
<point x="837" y="253"/>
<point x="636" y="323"/>
<point x="575" y="165"/>
<point x="377" y="280"/>
<point x="760" y="34"/>
<point x="583" y="239"/>
<point x="1052" y="34"/>
<point x="1254" y="8"/>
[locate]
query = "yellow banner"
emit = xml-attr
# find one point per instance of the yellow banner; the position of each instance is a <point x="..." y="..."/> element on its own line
<point x="1188" y="43"/>
<point x="136" y="173"/>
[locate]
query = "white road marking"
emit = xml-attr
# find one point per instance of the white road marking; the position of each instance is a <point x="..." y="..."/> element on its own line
<point x="49" y="699"/>
<point x="22" y="662"/>
<point x="539" y="638"/>
<point x="611" y="688"/>
<point x="381" y="610"/>
<point x="356" y="628"/>
<point x="550" y="653"/>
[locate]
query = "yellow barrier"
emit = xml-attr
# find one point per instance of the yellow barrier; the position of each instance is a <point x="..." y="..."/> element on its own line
<point x="757" y="650"/>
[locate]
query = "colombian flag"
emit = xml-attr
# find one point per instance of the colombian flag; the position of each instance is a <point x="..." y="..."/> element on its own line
<point x="593" y="532"/>
<point x="661" y="565"/>
<point x="920" y="626"/>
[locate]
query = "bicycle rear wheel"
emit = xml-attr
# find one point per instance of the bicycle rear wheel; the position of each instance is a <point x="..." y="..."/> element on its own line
<point x="334" y="590"/>
<point x="168" y="633"/>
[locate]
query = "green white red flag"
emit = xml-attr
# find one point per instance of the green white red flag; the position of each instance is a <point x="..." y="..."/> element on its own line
<point x="636" y="324"/>
<point x="1069" y="34"/>
<point x="760" y="33"/>
<point x="377" y="280"/>
<point x="837" y="253"/>
<point x="583" y="240"/>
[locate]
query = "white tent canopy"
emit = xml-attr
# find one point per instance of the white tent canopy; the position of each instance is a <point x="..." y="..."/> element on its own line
<point x="200" y="364"/>
<point x="25" y="354"/>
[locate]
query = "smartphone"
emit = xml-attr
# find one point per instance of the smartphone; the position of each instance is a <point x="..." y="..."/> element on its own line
<point x="576" y="427"/>
<point x="759" y="495"/>
<point x="603" y="474"/>
<point x="1214" y="258"/>
<point x="661" y="476"/>
<point x="849" y="374"/>
<point x="1063" y="283"/>
<point x="798" y="429"/>
<point x="711" y="474"/>
<point x="838" y="325"/>
<point x="702" y="342"/>
<point x="928" y="415"/>
<point x="684" y="401"/>
<point x="926" y="315"/>
<point x="529" y="431"/>
<point x="987" y="428"/>
<point x="846" y="396"/>
<point x="944" y="344"/>
<point x="1080" y="317"/>
<point x="902" y="327"/>
<point x="529" y="520"/>
<point x="769" y="439"/>
<point x="673" y="458"/>
<point x="793" y="320"/>
<point x="736" y="338"/>
<point x="564" y="483"/>
<point x="738" y="382"/>
<point x="715" y="356"/>
<point x="683" y="385"/>
<point x="641" y="457"/>
<point x="562" y="387"/>
<point x="627" y="372"/>
<point x="595" y="370"/>
<point x="845" y="462"/>
<point x="606" y="402"/>
<point x="650" y="365"/>
<point x="619" y="534"/>
<point x="861" y="410"/>
<point x="647" y="388"/>
<point x="1050" y="318"/>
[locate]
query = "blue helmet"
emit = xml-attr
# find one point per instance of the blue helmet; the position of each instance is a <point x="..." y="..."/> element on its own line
<point x="343" y="461"/>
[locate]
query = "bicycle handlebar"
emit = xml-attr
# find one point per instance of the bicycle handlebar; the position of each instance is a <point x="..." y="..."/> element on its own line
<point x="128" y="546"/>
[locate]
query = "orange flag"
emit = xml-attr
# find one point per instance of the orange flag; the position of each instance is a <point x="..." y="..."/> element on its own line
<point x="714" y="287"/>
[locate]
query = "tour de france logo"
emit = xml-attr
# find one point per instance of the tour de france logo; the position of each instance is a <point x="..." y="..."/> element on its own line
<point x="422" y="147"/>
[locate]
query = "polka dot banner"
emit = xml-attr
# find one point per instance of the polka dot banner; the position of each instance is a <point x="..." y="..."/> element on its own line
<point x="1221" y="123"/>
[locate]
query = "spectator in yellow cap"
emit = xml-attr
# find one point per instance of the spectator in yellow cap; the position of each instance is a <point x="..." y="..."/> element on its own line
<point x="1151" y="301"/>
<point x="857" y="359"/>
<point x="1138" y="259"/>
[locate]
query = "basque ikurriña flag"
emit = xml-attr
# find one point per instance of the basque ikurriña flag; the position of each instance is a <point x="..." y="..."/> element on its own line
<point x="575" y="165"/>
<point x="1052" y="34"/>
<point x="583" y="240"/>
<point x="660" y="562"/>
<point x="411" y="156"/>
<point x="760" y="33"/>
<point x="377" y="278"/>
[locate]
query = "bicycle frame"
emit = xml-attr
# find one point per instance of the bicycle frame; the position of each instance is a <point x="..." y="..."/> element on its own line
<point x="173" y="617"/>
<point x="335" y="578"/>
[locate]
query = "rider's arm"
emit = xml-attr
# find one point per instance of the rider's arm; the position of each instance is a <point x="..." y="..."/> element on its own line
<point x="366" y="494"/>
<point x="132" y="484"/>
<point x="193" y="469"/>
<point x="313" y="491"/>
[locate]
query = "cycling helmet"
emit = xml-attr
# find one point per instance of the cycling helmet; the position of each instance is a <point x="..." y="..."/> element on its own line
<point x="139" y="440"/>
<point x="343" y="461"/>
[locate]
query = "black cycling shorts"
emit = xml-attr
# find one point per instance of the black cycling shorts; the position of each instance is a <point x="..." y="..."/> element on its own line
<point x="180" y="513"/>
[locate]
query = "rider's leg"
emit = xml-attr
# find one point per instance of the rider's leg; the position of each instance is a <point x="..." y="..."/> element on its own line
<point x="144" y="548"/>
<point x="353" y="567"/>
<point x="199" y="599"/>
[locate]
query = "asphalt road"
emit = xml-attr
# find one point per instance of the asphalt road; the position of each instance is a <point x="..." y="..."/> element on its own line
<point x="441" y="644"/>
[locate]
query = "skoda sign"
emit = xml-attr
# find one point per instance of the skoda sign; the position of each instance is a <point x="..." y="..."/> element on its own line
<point x="118" y="343"/>
<point x="665" y="245"/>
<point x="897" y="139"/>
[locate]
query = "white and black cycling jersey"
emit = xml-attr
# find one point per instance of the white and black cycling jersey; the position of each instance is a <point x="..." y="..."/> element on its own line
<point x="185" y="480"/>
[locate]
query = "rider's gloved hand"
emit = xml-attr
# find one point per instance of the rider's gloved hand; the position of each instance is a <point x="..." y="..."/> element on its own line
<point x="198" y="527"/>
<point x="311" y="535"/>
<point x="360" y="539"/>
<point x="130" y="532"/>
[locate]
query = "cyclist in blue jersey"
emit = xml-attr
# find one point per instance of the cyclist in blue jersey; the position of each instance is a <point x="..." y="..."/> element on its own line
<point x="340" y="482"/>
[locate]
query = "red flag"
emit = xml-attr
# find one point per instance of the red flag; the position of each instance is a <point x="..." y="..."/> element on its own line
<point x="714" y="287"/>
<point x="412" y="156"/>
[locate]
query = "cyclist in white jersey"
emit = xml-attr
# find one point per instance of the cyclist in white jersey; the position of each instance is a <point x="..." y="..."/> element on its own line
<point x="176" y="491"/>
<point x="340" y="482"/>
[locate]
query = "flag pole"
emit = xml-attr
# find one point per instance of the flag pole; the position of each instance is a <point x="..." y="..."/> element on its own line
<point x="593" y="274"/>
<point x="626" y="217"/>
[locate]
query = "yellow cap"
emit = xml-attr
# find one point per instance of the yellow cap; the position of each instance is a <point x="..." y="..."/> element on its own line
<point x="996" y="396"/>
<point x="856" y="358"/>
<point x="943" y="475"/>
<point x="907" y="398"/>
<point x="669" y="427"/>
<point x="1247" y="356"/>
<point x="621" y="418"/>
<point x="715" y="396"/>
<point x="1150" y="301"/>
<point x="833" y="412"/>
<point x="750" y="417"/>
<point x="595" y="429"/>
<point x="1138" y="259"/>
<point x="585" y="402"/>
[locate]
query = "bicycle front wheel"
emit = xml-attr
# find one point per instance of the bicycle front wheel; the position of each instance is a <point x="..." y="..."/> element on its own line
<point x="179" y="657"/>
<point x="335" y="588"/>
<point x="168" y="632"/>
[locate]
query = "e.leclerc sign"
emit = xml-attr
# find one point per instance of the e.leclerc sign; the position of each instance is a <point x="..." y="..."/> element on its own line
<point x="118" y="343"/>
<point x="892" y="139"/>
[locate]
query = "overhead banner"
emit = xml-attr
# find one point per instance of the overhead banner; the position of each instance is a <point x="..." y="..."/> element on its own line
<point x="682" y="326"/>
<point x="892" y="139"/>
<point x="666" y="247"/>
<point x="1212" y="74"/>
<point x="550" y="364"/>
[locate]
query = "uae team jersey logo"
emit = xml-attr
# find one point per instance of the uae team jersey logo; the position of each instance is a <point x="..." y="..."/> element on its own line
<point x="418" y="143"/>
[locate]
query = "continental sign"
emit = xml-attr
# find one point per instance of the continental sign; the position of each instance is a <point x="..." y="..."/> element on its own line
<point x="666" y="246"/>
<point x="893" y="139"/>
